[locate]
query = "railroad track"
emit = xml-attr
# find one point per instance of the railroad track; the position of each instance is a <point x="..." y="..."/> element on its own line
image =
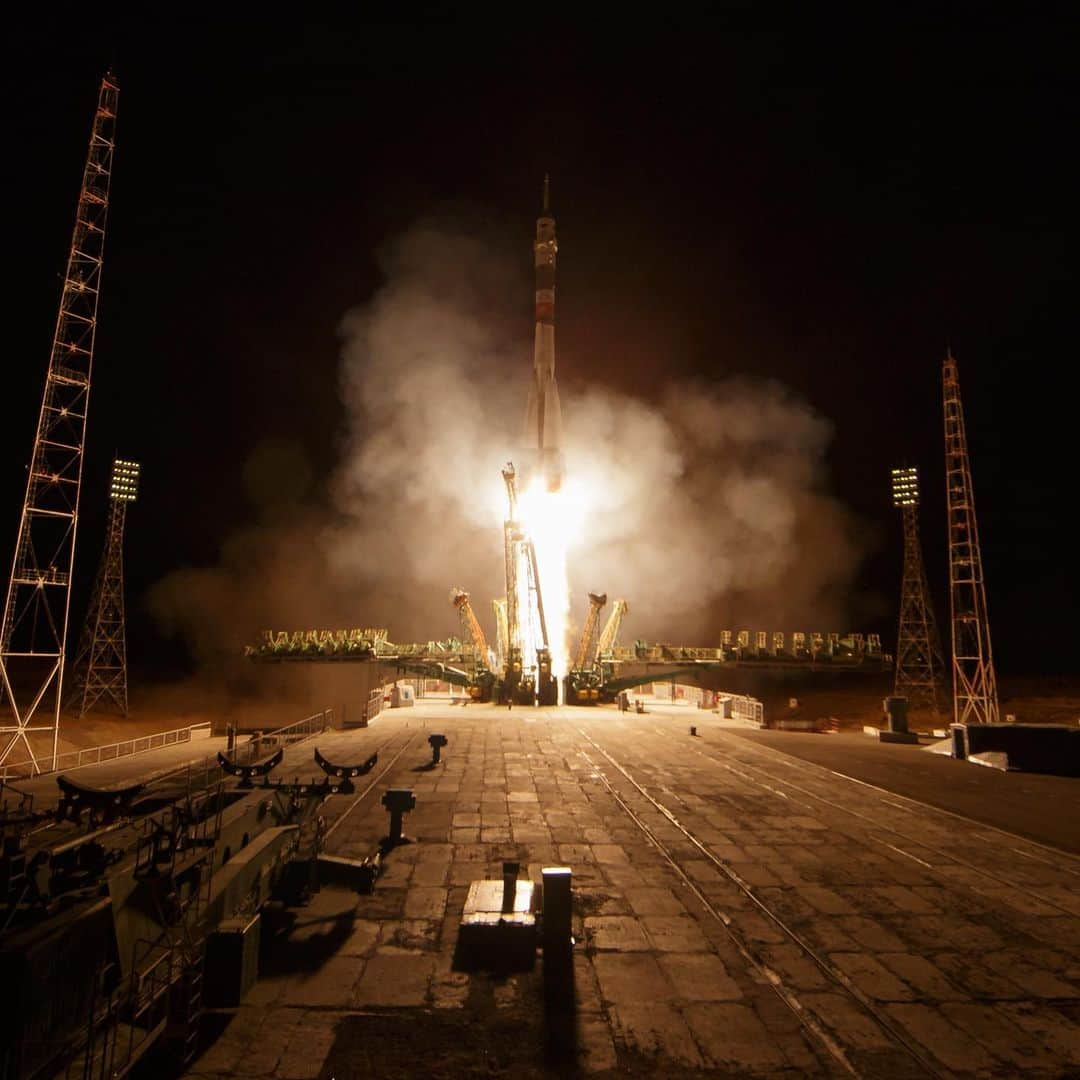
<point x="913" y="1061"/>
<point x="408" y="740"/>
<point x="750" y="774"/>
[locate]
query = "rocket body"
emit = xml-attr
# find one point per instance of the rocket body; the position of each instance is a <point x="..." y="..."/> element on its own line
<point x="543" y="414"/>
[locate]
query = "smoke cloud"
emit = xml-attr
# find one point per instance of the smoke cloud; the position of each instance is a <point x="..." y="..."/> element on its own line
<point x="705" y="506"/>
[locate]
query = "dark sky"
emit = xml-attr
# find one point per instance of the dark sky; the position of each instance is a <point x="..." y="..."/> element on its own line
<point x="826" y="204"/>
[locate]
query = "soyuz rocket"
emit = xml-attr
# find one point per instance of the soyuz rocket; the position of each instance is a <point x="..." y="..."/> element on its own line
<point x="543" y="415"/>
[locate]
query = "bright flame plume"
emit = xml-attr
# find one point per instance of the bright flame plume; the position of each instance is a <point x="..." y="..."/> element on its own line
<point x="554" y="519"/>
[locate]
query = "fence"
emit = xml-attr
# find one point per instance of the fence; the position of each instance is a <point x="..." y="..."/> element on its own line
<point x="290" y="733"/>
<point x="196" y="776"/>
<point x="95" y="755"/>
<point x="747" y="708"/>
<point x="374" y="704"/>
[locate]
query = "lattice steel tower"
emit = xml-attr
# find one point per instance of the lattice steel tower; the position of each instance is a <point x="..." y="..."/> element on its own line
<point x="35" y="618"/>
<point x="975" y="697"/>
<point x="920" y="668"/>
<point x="101" y="662"/>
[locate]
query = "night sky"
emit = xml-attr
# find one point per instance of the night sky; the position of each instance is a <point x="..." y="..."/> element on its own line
<point x="826" y="205"/>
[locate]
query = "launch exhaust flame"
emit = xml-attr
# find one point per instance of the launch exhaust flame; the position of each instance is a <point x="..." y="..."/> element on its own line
<point x="553" y="519"/>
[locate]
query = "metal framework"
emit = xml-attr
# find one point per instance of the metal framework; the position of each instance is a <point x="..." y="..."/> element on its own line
<point x="975" y="697"/>
<point x="610" y="634"/>
<point x="919" y="664"/>
<point x="35" y="618"/>
<point x="101" y="662"/>
<point x="585" y="652"/>
<point x="470" y="624"/>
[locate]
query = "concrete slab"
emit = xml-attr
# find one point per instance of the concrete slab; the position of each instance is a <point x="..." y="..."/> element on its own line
<point x="960" y="932"/>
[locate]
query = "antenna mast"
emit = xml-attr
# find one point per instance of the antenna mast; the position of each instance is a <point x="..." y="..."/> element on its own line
<point x="35" y="618"/>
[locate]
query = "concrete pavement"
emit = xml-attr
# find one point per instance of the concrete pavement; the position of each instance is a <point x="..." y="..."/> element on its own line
<point x="1040" y="807"/>
<point x="737" y="912"/>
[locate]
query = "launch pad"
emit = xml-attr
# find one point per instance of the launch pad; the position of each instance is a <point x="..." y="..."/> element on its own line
<point x="734" y="908"/>
<point x="530" y="661"/>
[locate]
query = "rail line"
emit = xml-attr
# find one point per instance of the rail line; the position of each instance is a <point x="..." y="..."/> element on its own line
<point x="758" y="963"/>
<point x="913" y="804"/>
<point x="410" y="738"/>
<point x="880" y="826"/>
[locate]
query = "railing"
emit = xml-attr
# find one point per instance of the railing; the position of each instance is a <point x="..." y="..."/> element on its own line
<point x="747" y="708"/>
<point x="95" y="755"/>
<point x="201" y="774"/>
<point x="374" y="704"/>
<point x="290" y="733"/>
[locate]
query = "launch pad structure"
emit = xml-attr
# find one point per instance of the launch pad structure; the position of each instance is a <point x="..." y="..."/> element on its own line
<point x="519" y="668"/>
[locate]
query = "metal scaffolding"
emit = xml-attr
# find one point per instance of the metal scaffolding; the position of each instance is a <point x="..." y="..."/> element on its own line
<point x="975" y="697"/>
<point x="101" y="662"/>
<point x="35" y="619"/>
<point x="919" y="665"/>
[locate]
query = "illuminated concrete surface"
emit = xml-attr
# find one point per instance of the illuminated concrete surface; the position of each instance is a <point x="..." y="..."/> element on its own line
<point x="736" y="910"/>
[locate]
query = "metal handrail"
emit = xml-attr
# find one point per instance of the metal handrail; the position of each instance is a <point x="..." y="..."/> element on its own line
<point x="95" y="755"/>
<point x="747" y="708"/>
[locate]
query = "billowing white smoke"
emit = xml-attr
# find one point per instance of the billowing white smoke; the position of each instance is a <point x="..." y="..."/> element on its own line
<point x="708" y="510"/>
<point x="704" y="508"/>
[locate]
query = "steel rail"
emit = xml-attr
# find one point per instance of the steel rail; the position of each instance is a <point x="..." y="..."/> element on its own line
<point x="787" y="996"/>
<point x="958" y="860"/>
<point x="410" y="738"/>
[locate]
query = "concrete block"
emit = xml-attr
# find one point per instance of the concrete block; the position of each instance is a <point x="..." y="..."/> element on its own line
<point x="1046" y="748"/>
<point x="890" y="736"/>
<point x="232" y="961"/>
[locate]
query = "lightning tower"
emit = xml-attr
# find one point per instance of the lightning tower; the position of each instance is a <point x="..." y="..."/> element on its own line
<point x="34" y="627"/>
<point x="975" y="697"/>
<point x="101" y="662"/>
<point x="919" y="664"/>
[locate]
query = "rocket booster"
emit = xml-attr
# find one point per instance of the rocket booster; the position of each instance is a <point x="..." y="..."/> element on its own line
<point x="543" y="414"/>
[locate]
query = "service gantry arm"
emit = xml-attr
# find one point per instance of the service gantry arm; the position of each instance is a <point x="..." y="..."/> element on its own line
<point x="584" y="652"/>
<point x="510" y="538"/>
<point x="501" y="629"/>
<point x="610" y="633"/>
<point x="470" y="623"/>
<point x="534" y="586"/>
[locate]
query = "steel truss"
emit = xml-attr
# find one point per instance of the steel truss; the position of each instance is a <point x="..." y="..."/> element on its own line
<point x="101" y="662"/>
<point x="35" y="617"/>
<point x="920" y="667"/>
<point x="975" y="696"/>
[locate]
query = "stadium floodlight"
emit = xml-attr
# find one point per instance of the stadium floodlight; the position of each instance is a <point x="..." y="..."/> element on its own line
<point x="905" y="486"/>
<point x="124" y="482"/>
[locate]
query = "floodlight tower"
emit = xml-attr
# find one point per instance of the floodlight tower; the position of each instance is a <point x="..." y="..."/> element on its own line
<point x="975" y="697"/>
<point x="35" y="617"/>
<point x="919" y="664"/>
<point x="101" y="662"/>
